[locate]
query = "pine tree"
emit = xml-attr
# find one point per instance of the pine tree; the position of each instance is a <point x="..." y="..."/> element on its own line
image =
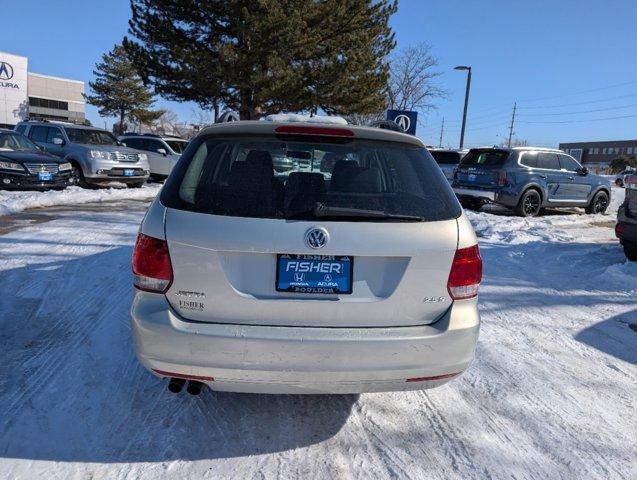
<point x="118" y="90"/>
<point x="265" y="56"/>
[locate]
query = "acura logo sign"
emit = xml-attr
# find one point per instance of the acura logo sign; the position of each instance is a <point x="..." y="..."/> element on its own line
<point x="403" y="122"/>
<point x="316" y="237"/>
<point x="6" y="71"/>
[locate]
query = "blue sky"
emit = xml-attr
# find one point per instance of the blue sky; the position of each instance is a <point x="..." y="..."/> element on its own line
<point x="559" y="59"/>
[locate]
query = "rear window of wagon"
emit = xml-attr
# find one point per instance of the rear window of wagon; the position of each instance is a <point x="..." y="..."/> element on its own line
<point x="272" y="177"/>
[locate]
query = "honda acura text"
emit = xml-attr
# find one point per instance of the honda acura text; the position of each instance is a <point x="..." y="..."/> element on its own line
<point x="354" y="271"/>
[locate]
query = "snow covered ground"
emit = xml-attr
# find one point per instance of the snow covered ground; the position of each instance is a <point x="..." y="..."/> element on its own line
<point x="551" y="393"/>
<point x="16" y="201"/>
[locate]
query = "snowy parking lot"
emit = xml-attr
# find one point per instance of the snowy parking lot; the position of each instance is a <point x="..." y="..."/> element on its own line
<point x="551" y="393"/>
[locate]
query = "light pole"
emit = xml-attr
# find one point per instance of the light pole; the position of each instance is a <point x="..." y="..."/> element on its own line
<point x="466" y="101"/>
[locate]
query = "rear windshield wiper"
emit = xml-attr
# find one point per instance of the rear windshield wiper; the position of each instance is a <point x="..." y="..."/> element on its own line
<point x="321" y="210"/>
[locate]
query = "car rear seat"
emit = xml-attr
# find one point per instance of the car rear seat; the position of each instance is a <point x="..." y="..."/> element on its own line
<point x="302" y="191"/>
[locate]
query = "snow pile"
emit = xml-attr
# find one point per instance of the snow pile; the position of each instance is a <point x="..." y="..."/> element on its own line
<point x="295" y="117"/>
<point x="567" y="227"/>
<point x="13" y="201"/>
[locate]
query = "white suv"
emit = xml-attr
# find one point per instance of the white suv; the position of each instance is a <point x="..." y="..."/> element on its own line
<point x="356" y="271"/>
<point x="163" y="152"/>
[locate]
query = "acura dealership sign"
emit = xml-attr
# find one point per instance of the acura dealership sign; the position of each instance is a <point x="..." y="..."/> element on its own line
<point x="6" y="71"/>
<point x="13" y="88"/>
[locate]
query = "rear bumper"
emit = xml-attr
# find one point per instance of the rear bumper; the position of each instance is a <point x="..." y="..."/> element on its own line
<point x="477" y="194"/>
<point x="629" y="230"/>
<point x="261" y="359"/>
<point x="501" y="197"/>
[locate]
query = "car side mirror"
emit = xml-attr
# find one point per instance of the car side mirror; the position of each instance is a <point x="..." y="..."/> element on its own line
<point x="58" y="141"/>
<point x="162" y="151"/>
<point x="583" y="171"/>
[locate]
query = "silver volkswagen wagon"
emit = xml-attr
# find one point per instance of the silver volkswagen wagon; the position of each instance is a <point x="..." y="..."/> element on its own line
<point x="354" y="271"/>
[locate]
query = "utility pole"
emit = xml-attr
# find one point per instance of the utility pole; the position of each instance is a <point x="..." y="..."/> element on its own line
<point x="466" y="101"/>
<point x="515" y="105"/>
<point x="442" y="129"/>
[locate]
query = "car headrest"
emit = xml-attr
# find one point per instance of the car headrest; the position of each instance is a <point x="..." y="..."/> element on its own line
<point x="343" y="171"/>
<point x="367" y="180"/>
<point x="261" y="160"/>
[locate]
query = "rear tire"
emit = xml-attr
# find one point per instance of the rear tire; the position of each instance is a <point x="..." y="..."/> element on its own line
<point x="530" y="204"/>
<point x="630" y="250"/>
<point x="598" y="204"/>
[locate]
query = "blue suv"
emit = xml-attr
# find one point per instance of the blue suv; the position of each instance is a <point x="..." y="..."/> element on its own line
<point x="528" y="179"/>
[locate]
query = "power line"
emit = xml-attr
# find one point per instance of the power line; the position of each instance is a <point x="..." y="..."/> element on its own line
<point x="601" y="100"/>
<point x="583" y="121"/>
<point x="582" y="92"/>
<point x="579" y="111"/>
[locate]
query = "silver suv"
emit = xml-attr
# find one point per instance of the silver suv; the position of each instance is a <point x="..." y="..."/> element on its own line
<point x="163" y="152"/>
<point x="356" y="271"/>
<point x="95" y="154"/>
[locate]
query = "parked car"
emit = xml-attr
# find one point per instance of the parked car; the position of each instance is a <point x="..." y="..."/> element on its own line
<point x="95" y="155"/>
<point x="162" y="151"/>
<point x="447" y="160"/>
<point x="24" y="166"/>
<point x="249" y="280"/>
<point x="626" y="228"/>
<point x="619" y="178"/>
<point x="528" y="179"/>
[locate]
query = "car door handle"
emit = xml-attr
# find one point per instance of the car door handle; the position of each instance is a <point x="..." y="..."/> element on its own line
<point x="542" y="176"/>
<point x="571" y="178"/>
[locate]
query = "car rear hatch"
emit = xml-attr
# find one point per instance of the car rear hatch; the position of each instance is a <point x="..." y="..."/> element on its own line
<point x="447" y="161"/>
<point x="482" y="168"/>
<point x="234" y="229"/>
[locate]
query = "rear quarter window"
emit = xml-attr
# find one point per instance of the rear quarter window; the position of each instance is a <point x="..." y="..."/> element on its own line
<point x="485" y="158"/>
<point x="236" y="176"/>
<point x="446" y="158"/>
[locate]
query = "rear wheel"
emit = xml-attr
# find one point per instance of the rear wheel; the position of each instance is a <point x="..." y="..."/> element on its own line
<point x="630" y="250"/>
<point x="598" y="204"/>
<point x="530" y="204"/>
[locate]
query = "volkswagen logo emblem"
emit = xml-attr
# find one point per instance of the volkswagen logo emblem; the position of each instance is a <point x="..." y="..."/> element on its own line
<point x="6" y="71"/>
<point x="316" y="237"/>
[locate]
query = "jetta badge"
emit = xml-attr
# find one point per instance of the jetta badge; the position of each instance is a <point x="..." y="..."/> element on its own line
<point x="316" y="237"/>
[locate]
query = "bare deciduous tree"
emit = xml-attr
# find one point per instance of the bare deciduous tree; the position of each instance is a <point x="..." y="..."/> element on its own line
<point x="412" y="78"/>
<point x="412" y="83"/>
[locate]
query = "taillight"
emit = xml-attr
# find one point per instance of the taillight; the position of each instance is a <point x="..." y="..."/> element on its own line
<point x="502" y="178"/>
<point x="466" y="273"/>
<point x="619" y="230"/>
<point x="151" y="264"/>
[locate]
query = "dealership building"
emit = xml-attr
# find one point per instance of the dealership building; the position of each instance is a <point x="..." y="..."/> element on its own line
<point x="32" y="95"/>
<point x="598" y="155"/>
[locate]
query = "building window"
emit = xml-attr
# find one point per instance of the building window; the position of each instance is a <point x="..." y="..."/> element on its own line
<point x="46" y="103"/>
<point x="42" y="116"/>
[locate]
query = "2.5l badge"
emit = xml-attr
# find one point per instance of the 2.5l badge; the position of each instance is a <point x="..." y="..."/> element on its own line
<point x="433" y="299"/>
